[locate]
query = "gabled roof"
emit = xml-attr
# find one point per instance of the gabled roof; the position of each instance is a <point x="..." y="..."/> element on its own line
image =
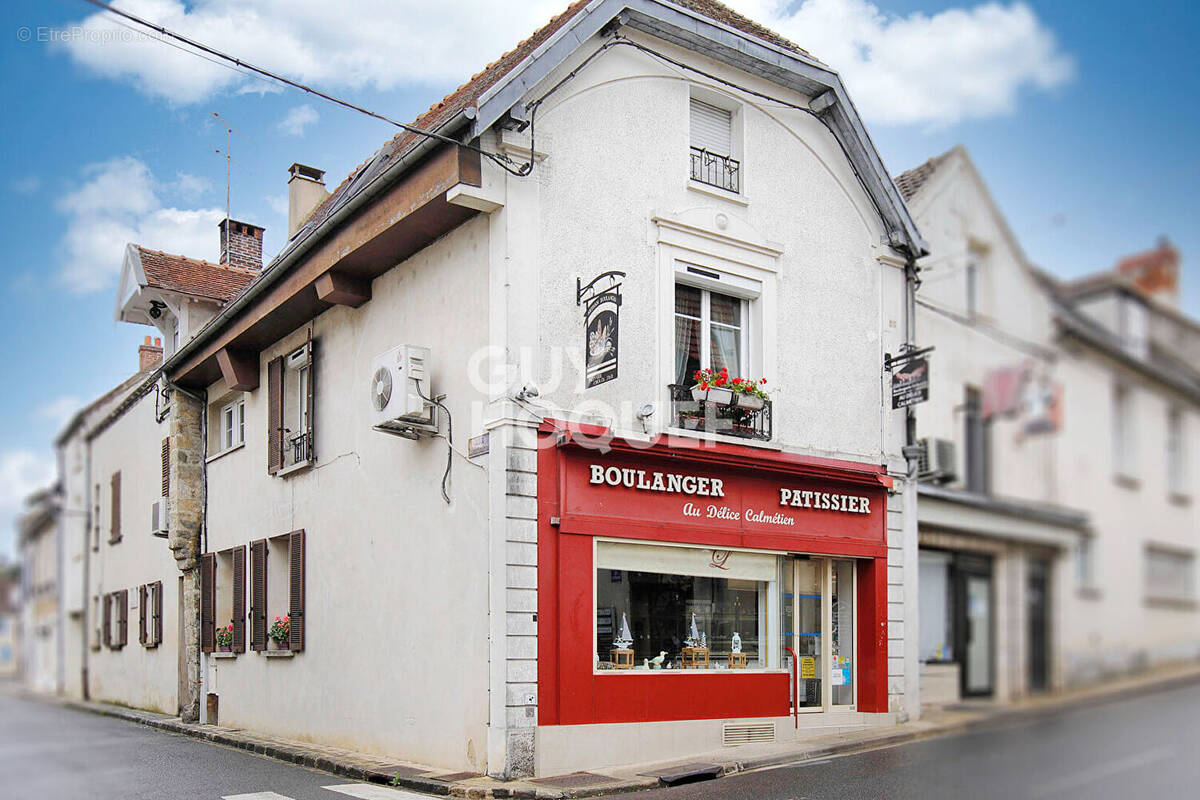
<point x="468" y="95"/>
<point x="191" y="276"/>
<point x="911" y="181"/>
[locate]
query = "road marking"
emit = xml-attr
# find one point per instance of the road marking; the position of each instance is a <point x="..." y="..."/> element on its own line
<point x="256" y="796"/>
<point x="1102" y="771"/>
<point x="367" y="791"/>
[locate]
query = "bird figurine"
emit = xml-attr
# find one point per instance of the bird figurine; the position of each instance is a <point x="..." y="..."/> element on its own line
<point x="657" y="662"/>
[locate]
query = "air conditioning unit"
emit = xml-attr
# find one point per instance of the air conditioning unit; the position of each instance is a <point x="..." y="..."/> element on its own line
<point x="938" y="463"/>
<point x="158" y="517"/>
<point x="399" y="378"/>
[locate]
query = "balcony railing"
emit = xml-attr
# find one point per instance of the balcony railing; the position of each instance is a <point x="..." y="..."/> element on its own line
<point x="715" y="170"/>
<point x="719" y="411"/>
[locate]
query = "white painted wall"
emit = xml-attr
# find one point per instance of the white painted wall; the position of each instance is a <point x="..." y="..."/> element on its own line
<point x="134" y="675"/>
<point x="396" y="658"/>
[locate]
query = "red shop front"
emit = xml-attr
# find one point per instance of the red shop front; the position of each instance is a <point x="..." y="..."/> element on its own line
<point x="690" y="580"/>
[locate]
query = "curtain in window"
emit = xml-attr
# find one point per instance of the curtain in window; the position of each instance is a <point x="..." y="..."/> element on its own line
<point x="726" y="347"/>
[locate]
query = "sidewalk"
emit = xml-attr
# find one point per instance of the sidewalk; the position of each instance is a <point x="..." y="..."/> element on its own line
<point x="728" y="761"/>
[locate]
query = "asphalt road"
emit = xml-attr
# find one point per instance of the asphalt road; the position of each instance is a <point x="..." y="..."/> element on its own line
<point x="52" y="753"/>
<point x="1146" y="747"/>
<point x="1143" y="748"/>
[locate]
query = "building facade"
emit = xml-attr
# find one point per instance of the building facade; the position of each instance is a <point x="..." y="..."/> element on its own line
<point x="40" y="656"/>
<point x="1012" y="528"/>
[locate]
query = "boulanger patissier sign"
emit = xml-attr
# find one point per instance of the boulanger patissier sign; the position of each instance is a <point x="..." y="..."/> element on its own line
<point x="721" y="501"/>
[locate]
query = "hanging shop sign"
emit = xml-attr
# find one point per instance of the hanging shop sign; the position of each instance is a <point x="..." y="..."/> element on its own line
<point x="910" y="383"/>
<point x="600" y="299"/>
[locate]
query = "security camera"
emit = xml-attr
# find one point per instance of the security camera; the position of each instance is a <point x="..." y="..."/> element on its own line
<point x="528" y="391"/>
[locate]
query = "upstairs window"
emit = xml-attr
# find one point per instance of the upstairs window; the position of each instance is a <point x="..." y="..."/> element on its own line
<point x="233" y="424"/>
<point x="291" y="399"/>
<point x="978" y="436"/>
<point x="1177" y="454"/>
<point x="1123" y="444"/>
<point x="710" y="331"/>
<point x="712" y="151"/>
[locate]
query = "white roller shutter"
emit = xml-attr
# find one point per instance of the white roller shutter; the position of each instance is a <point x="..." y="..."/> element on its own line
<point x="712" y="128"/>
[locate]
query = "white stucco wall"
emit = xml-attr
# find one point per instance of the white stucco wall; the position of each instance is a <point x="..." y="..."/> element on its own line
<point x="133" y="675"/>
<point x="396" y="657"/>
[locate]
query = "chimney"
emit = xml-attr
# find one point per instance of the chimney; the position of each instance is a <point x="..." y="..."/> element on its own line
<point x="241" y="244"/>
<point x="1155" y="272"/>
<point x="306" y="191"/>
<point x="149" y="355"/>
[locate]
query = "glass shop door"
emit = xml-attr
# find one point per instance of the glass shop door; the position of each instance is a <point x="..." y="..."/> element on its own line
<point x="818" y="622"/>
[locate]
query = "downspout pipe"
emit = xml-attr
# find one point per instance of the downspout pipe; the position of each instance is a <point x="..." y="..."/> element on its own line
<point x="912" y="282"/>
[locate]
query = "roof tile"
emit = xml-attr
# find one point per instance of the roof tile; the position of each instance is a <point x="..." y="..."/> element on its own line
<point x="193" y="276"/>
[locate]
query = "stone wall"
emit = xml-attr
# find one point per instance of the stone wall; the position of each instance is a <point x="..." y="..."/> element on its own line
<point x="186" y="504"/>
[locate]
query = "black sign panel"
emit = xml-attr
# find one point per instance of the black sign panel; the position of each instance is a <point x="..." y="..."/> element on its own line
<point x="601" y="302"/>
<point x="910" y="383"/>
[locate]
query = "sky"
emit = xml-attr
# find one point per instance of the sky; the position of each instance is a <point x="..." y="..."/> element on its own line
<point x="1081" y="116"/>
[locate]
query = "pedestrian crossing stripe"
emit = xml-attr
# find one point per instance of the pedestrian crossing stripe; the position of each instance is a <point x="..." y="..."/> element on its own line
<point x="366" y="791"/>
<point x="363" y="791"/>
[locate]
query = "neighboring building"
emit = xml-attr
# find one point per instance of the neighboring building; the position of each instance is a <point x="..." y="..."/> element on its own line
<point x="1012" y="528"/>
<point x="10" y="628"/>
<point x="702" y="195"/>
<point x="1131" y="446"/>
<point x="41" y="635"/>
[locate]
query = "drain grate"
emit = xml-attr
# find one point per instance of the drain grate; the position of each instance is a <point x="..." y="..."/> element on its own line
<point x="734" y="733"/>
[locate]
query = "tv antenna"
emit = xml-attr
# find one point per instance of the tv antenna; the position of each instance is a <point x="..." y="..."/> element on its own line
<point x="228" y="153"/>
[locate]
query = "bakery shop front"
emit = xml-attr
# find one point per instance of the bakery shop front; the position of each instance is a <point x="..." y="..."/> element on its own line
<point x="688" y="581"/>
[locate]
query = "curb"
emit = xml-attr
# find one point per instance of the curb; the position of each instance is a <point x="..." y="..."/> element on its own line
<point x="520" y="790"/>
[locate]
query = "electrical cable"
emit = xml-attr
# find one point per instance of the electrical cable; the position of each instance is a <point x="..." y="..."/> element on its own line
<point x="500" y="159"/>
<point x="449" y="437"/>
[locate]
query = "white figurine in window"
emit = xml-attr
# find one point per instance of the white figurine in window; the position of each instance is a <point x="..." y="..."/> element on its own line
<point x="736" y="647"/>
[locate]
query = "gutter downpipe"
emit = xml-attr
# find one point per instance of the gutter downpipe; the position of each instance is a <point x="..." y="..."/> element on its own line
<point x="85" y="690"/>
<point x="279" y="267"/>
<point x="911" y="537"/>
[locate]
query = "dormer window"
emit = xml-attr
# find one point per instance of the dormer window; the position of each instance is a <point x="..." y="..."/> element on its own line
<point x="713" y="146"/>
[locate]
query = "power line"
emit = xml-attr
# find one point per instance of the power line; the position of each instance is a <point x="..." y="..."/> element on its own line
<point x="502" y="160"/>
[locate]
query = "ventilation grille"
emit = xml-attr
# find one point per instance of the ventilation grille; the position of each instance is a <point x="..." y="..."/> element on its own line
<point x="733" y="733"/>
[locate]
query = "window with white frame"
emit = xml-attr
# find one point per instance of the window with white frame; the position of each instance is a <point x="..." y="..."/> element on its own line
<point x="1123" y="433"/>
<point x="710" y="333"/>
<point x="233" y="424"/>
<point x="685" y="607"/>
<point x="1177" y="454"/>
<point x="1170" y="575"/>
<point x="1085" y="563"/>
<point x="713" y="146"/>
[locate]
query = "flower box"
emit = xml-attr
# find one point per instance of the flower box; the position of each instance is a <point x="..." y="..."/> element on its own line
<point x="721" y="397"/>
<point x="749" y="401"/>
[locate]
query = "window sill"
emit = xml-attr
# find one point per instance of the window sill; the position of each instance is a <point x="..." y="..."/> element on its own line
<point x="1172" y="603"/>
<point x="1126" y="481"/>
<point x="1179" y="499"/>
<point x="223" y="654"/>
<point x="278" y="653"/>
<point x="722" y="439"/>
<point x="710" y="671"/>
<point x="1089" y="593"/>
<point x="712" y="191"/>
<point x="224" y="452"/>
<point x="299" y="466"/>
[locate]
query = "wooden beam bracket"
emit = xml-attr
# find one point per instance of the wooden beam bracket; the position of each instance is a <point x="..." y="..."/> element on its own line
<point x="342" y="289"/>
<point x="239" y="368"/>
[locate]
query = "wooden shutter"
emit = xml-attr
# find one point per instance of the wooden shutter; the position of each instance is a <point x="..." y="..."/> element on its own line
<point x="143" y="592"/>
<point x="310" y="401"/>
<point x="122" y="617"/>
<point x="275" y="437"/>
<point x="156" y="628"/>
<point x="258" y="595"/>
<point x="108" y="641"/>
<point x="296" y="589"/>
<point x="115" y="532"/>
<point x="208" y="584"/>
<point x="166" y="466"/>
<point x="712" y="128"/>
<point x="239" y="599"/>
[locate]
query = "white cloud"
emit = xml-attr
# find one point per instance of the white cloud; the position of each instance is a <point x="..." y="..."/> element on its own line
<point x="374" y="43"/>
<point x="297" y="119"/>
<point x="190" y="185"/>
<point x="960" y="63"/>
<point x="118" y="203"/>
<point x="60" y="410"/>
<point x="22" y="472"/>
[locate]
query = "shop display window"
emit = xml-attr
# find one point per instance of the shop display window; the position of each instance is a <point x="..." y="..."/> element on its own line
<point x="678" y="615"/>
